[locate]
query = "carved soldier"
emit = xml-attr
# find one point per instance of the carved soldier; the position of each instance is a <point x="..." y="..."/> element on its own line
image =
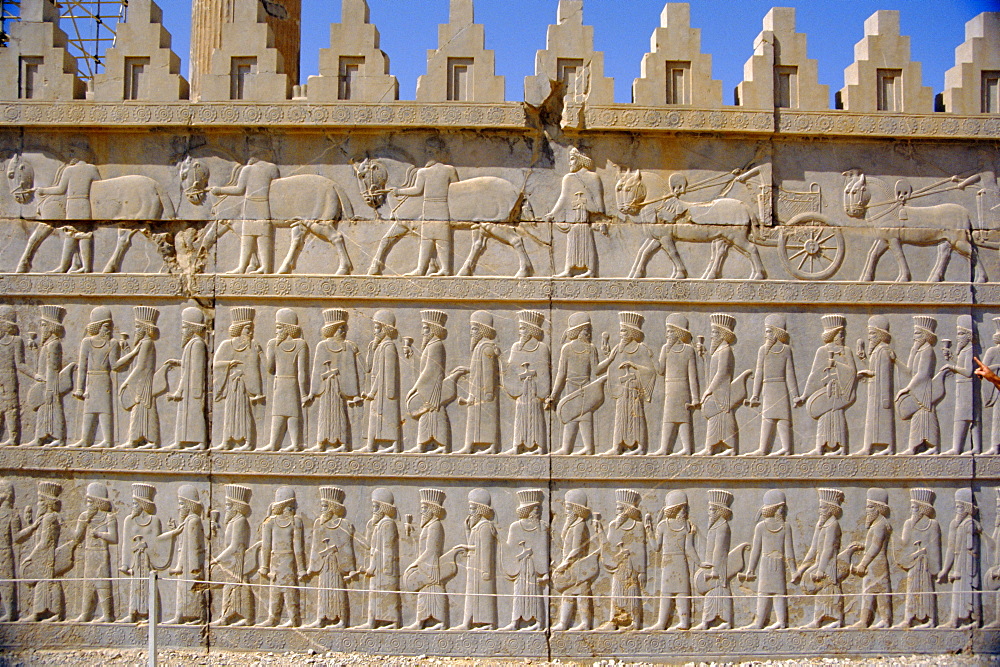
<point x="95" y="384"/>
<point x="257" y="234"/>
<point x="10" y="526"/>
<point x="53" y="380"/>
<point x="189" y="558"/>
<point x="625" y="555"/>
<point x="526" y="562"/>
<point x="73" y="181"/>
<point x="577" y="362"/>
<point x="631" y="377"/>
<point x="336" y="384"/>
<point x="482" y="422"/>
<point x="880" y="413"/>
<point x="917" y="401"/>
<point x="142" y="535"/>
<point x="382" y="568"/>
<point x="97" y="530"/>
<point x="425" y="400"/>
<point x="332" y="558"/>
<point x="961" y="563"/>
<point x="283" y="558"/>
<point x="385" y="425"/>
<point x="723" y="395"/>
<point x="991" y="358"/>
<point x="191" y="427"/>
<point x="581" y="199"/>
<point x="144" y="383"/>
<point x="876" y="580"/>
<point x="432" y="183"/>
<point x="238" y="375"/>
<point x="481" y="564"/>
<point x="11" y="364"/>
<point x="961" y="365"/>
<point x="674" y="541"/>
<point x="772" y="554"/>
<point x="774" y="383"/>
<point x="231" y="563"/>
<point x="288" y="361"/>
<point x="578" y="566"/>
<point x="526" y="380"/>
<point x="718" y="610"/>
<point x="819" y="568"/>
<point x="678" y="364"/>
<point x="920" y="558"/>
<point x="993" y="574"/>
<point x="426" y="575"/>
<point x="46" y="560"/>
<point x="831" y="388"/>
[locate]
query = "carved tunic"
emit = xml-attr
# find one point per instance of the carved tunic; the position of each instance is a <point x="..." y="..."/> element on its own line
<point x="576" y="546"/>
<point x="332" y="556"/>
<point x="771" y="554"/>
<point x="288" y="362"/>
<point x="822" y="554"/>
<point x="718" y="407"/>
<point x="384" y="421"/>
<point x="992" y="359"/>
<point x="10" y="526"/>
<point x="335" y="381"/>
<point x="921" y="559"/>
<point x="481" y="574"/>
<point x="190" y="562"/>
<point x="875" y="561"/>
<point x="191" y="423"/>
<point x="678" y="557"/>
<point x="235" y="384"/>
<point x="97" y="535"/>
<point x="74" y="181"/>
<point x="383" y="565"/>
<point x="528" y="547"/>
<point x="627" y="562"/>
<point x="718" y="603"/>
<point x="11" y="359"/>
<point x="254" y="184"/>
<point x="880" y="413"/>
<point x="144" y="423"/>
<point x="964" y="385"/>
<point x="962" y="565"/>
<point x="40" y="563"/>
<point x="51" y="420"/>
<point x="424" y="400"/>
<point x="482" y="424"/>
<point x="924" y="427"/>
<point x="774" y="381"/>
<point x="680" y="382"/>
<point x="282" y="550"/>
<point x="632" y="387"/>
<point x="98" y="357"/>
<point x="527" y="381"/>
<point x="432" y="603"/>
<point x="581" y="194"/>
<point x="577" y="361"/>
<point x="237" y="600"/>
<point x="831" y="384"/>
<point x="138" y="550"/>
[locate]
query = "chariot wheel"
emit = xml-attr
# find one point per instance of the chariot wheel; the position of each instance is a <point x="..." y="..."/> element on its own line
<point x="810" y="248"/>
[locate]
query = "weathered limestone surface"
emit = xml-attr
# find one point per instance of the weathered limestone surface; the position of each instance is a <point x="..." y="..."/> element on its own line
<point x="484" y="378"/>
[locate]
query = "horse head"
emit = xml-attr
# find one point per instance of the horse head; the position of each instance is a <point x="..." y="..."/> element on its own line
<point x="630" y="193"/>
<point x="372" y="178"/>
<point x="856" y="194"/>
<point x="21" y="177"/>
<point x="194" y="180"/>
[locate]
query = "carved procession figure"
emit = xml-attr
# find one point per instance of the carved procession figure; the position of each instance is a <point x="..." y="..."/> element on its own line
<point x="631" y="370"/>
<point x="191" y="425"/>
<point x="917" y="401"/>
<point x="12" y="366"/>
<point x="775" y="386"/>
<point x="428" y="574"/>
<point x="142" y="541"/>
<point x="144" y="383"/>
<point x="382" y="567"/>
<point x="47" y="559"/>
<point x="233" y="563"/>
<point x="257" y="233"/>
<point x="96" y="382"/>
<point x="332" y="558"/>
<point x="772" y="555"/>
<point x="678" y="364"/>
<point x="991" y="358"/>
<point x="714" y="572"/>
<point x="873" y="568"/>
<point x="831" y="388"/>
<point x="97" y="530"/>
<point x="188" y="561"/>
<point x="526" y="380"/>
<point x="581" y="201"/>
<point x="625" y="555"/>
<point x="960" y="364"/>
<point x="991" y="580"/>
<point x="674" y="544"/>
<point x="880" y="406"/>
<point x="482" y="421"/>
<point x="482" y="544"/>
<point x="961" y="563"/>
<point x="283" y="558"/>
<point x="577" y="363"/>
<point x="920" y="559"/>
<point x="723" y="394"/>
<point x="385" y="424"/>
<point x="10" y="526"/>
<point x="432" y="182"/>
<point x="578" y="566"/>
<point x="53" y="380"/>
<point x="426" y="399"/>
<point x="238" y="381"/>
<point x="526" y="562"/>
<point x="287" y="359"/>
<point x="819" y="570"/>
<point x="73" y="182"/>
<point x="336" y="383"/>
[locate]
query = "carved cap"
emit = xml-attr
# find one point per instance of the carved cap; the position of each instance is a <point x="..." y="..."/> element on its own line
<point x="192" y="315"/>
<point x="679" y="323"/>
<point x="432" y="496"/>
<point x="286" y="316"/>
<point x="774" y="497"/>
<point x="878" y="496"/>
<point x="146" y="492"/>
<point x="776" y="320"/>
<point x="100" y="315"/>
<point x="996" y="323"/>
<point x="332" y="494"/>
<point x="628" y="496"/>
<point x="964" y="495"/>
<point x="577" y="320"/>
<point x="483" y="319"/>
<point x="577" y="497"/>
<point x="283" y="494"/>
<point x="964" y="322"/>
<point x="383" y="495"/>
<point x="238" y="494"/>
<point x="53" y="314"/>
<point x="880" y="322"/>
<point x="385" y="318"/>
<point x="189" y="493"/>
<point x="675" y="498"/>
<point x="147" y="315"/>
<point x="99" y="492"/>
<point x="529" y="497"/>
<point x="720" y="497"/>
<point x="631" y="320"/>
<point x="480" y="497"/>
<point x="831" y="322"/>
<point x="7" y="314"/>
<point x="242" y="314"/>
<point x="49" y="489"/>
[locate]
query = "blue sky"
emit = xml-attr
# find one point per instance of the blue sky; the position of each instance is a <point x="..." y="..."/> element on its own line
<point x="515" y="29"/>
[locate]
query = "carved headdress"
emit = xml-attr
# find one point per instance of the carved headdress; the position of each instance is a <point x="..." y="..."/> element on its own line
<point x="878" y="499"/>
<point x="485" y="321"/>
<point x="527" y="501"/>
<point x="881" y="325"/>
<point x="778" y="323"/>
<point x="927" y="325"/>
<point x="629" y="497"/>
<point x="287" y="318"/>
<point x="99" y="493"/>
<point x="831" y="497"/>
<point x="387" y="319"/>
<point x="964" y="322"/>
<point x="333" y="494"/>
<point x="533" y="321"/>
<point x="577" y="321"/>
<point x="241" y="316"/>
<point x="435" y="320"/>
<point x="679" y="324"/>
<point x="284" y="496"/>
<point x="145" y="495"/>
<point x="632" y="321"/>
<point x="924" y="497"/>
<point x="726" y="324"/>
<point x="582" y="159"/>
<point x="482" y="502"/>
<point x="147" y="316"/>
<point x="193" y="316"/>
<point x="964" y="500"/>
<point x="190" y="495"/>
<point x="576" y="501"/>
<point x="833" y="324"/>
<point x="50" y="490"/>
<point x="722" y="501"/>
<point x="236" y="493"/>
<point x="674" y="501"/>
<point x="433" y="497"/>
<point x="333" y="319"/>
<point x="54" y="315"/>
<point x="386" y="502"/>
<point x="8" y="315"/>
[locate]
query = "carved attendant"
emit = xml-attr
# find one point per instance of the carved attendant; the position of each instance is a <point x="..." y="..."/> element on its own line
<point x="425" y="400"/>
<point x="73" y="181"/>
<point x="97" y="530"/>
<point x="577" y="362"/>
<point x="42" y="564"/>
<point x="257" y="235"/>
<point x="54" y="381"/>
<point x="876" y="580"/>
<point x="11" y="365"/>
<point x="771" y="556"/>
<point x="425" y="574"/>
<point x="231" y="563"/>
<point x="831" y="387"/>
<point x="144" y="383"/>
<point x="10" y="526"/>
<point x="581" y="198"/>
<point x="189" y="558"/>
<point x="142" y="533"/>
<point x="526" y="380"/>
<point x="880" y="412"/>
<point x="991" y="359"/>
<point x="920" y="558"/>
<point x="723" y="395"/>
<point x="382" y="568"/>
<point x="481" y="564"/>
<point x="282" y="558"/>
<point x="919" y="398"/>
<point x="674" y="541"/>
<point x="577" y="568"/>
<point x="332" y="558"/>
<point x="385" y="426"/>
<point x="774" y="383"/>
<point x="482" y="422"/>
<point x="432" y="183"/>
<point x="819" y="566"/>
<point x="718" y="610"/>
<point x="962" y="366"/>
<point x="527" y="562"/>
<point x="961" y="563"/>
<point x="678" y="364"/>
<point x="336" y="383"/>
<point x="191" y="427"/>
<point x="631" y="377"/>
<point x="288" y="361"/>
<point x="238" y="371"/>
<point x="95" y="386"/>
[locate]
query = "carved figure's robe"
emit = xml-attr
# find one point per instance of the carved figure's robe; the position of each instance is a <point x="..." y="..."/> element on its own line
<point x="527" y="381"/>
<point x="384" y="422"/>
<point x="480" y="575"/>
<point x="332" y="556"/>
<point x="718" y="600"/>
<point x="482" y="426"/>
<point x="718" y="409"/>
<point x="190" y="561"/>
<point x="880" y="409"/>
<point x="528" y="548"/>
<point x="235" y="384"/>
<point x="920" y="557"/>
<point x="98" y="357"/>
<point x="383" y="562"/>
<point x="288" y="362"/>
<point x="770" y="556"/>
<point x="335" y="381"/>
<point x="774" y="381"/>
<point x="237" y="600"/>
<point x="424" y="400"/>
<point x="144" y="423"/>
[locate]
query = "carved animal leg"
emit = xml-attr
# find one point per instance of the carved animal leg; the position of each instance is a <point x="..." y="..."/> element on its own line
<point x="758" y="266"/>
<point x="423" y="258"/>
<point x="720" y="248"/>
<point x="904" y="269"/>
<point x="122" y="244"/>
<point x="642" y="257"/>
<point x="524" y="268"/>
<point x="345" y="266"/>
<point x="38" y="234"/>
<point x="943" y="258"/>
<point x="478" y="246"/>
<point x="874" y="253"/>
<point x="292" y="256"/>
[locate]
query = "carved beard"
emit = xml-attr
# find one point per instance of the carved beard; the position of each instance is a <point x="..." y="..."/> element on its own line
<point x="245" y="336"/>
<point x="231" y="515"/>
<point x="426" y="339"/>
<point x="474" y="340"/>
<point x="189" y="333"/>
<point x="379" y="336"/>
<point x="871" y="516"/>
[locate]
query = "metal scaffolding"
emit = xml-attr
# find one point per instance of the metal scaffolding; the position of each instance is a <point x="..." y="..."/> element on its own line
<point x="9" y="11"/>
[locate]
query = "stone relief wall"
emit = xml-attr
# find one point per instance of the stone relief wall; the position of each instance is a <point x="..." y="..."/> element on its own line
<point x="501" y="379"/>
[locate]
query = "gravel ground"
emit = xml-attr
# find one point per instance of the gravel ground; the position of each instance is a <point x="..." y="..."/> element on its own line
<point x="176" y="658"/>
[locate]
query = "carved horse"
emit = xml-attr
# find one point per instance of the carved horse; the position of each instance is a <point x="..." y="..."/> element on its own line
<point x="948" y="226"/>
<point x="483" y="204"/>
<point x="725" y="222"/>
<point x="305" y="202"/>
<point x="133" y="197"/>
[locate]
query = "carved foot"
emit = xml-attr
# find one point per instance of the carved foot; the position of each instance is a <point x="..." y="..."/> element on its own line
<point x="952" y="452"/>
<point x="758" y="452"/>
<point x="344" y="270"/>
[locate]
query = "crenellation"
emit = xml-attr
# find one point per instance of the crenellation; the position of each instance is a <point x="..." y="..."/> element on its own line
<point x="460" y="69"/>
<point x="36" y="64"/>
<point x="973" y="84"/>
